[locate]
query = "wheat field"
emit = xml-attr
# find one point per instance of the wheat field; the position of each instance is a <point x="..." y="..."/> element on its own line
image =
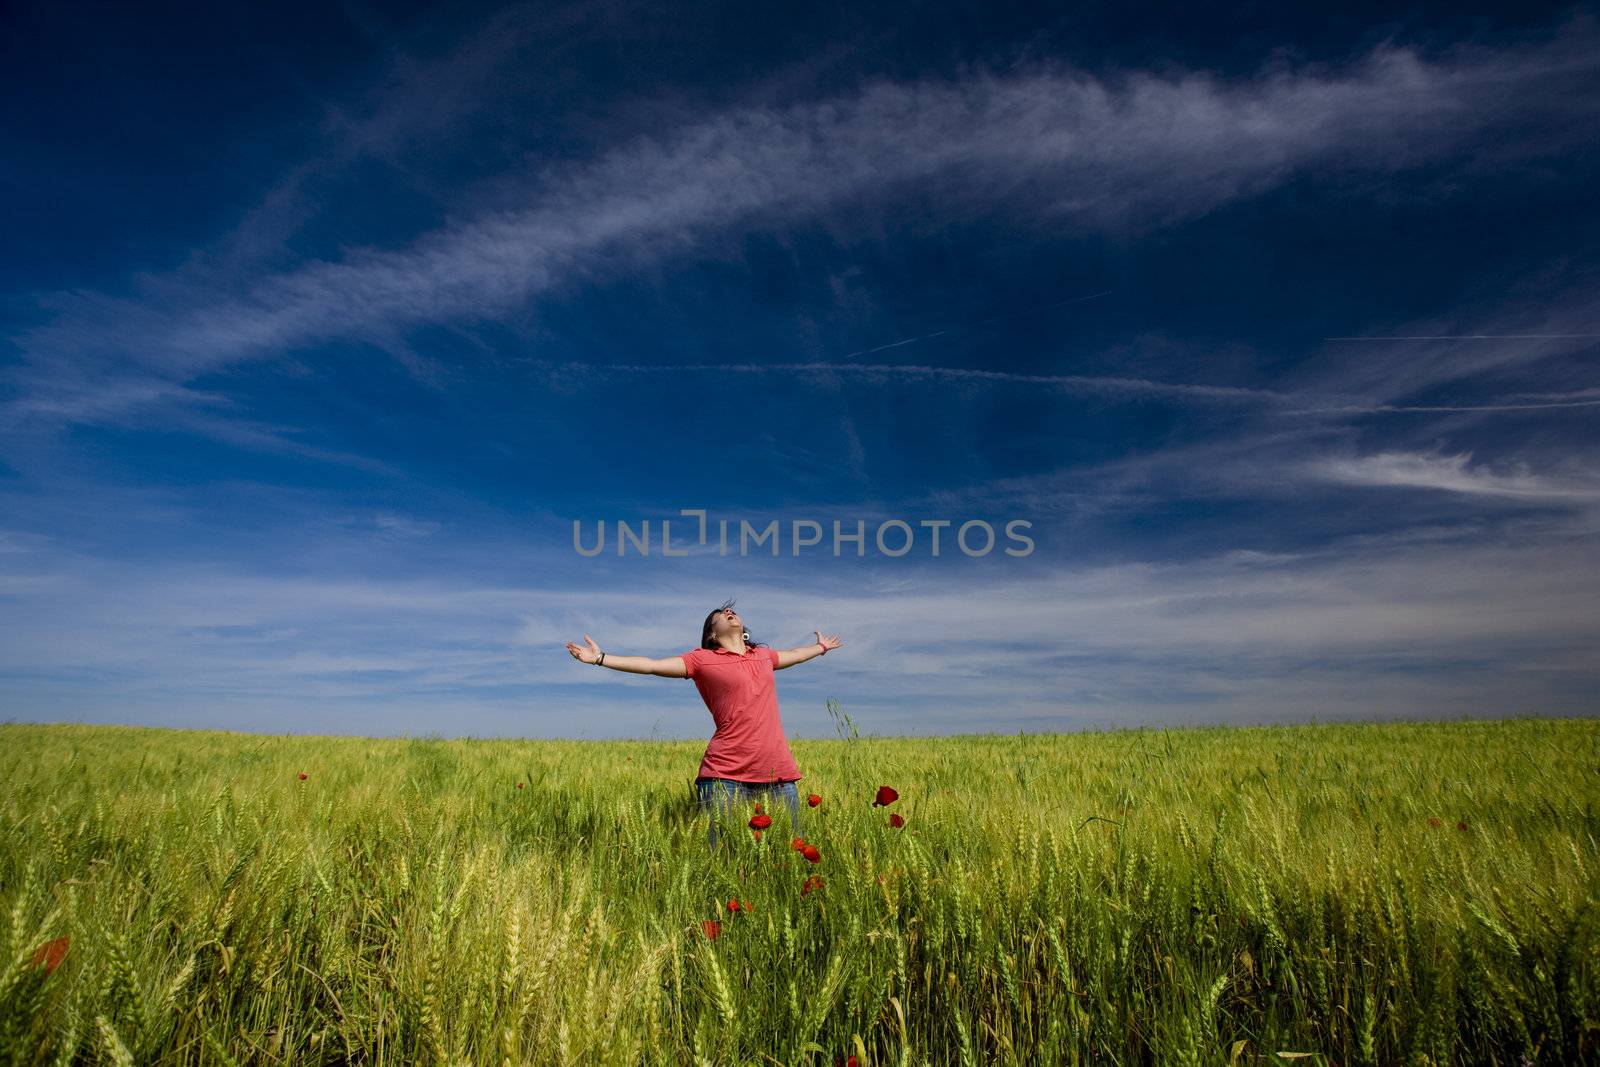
<point x="1353" y="894"/>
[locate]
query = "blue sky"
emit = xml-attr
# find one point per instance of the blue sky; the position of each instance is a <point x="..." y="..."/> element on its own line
<point x="320" y="327"/>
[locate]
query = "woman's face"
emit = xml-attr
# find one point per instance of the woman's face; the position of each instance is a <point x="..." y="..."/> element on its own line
<point x="727" y="623"/>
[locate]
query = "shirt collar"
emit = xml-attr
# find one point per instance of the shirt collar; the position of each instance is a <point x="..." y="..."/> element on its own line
<point x="730" y="652"/>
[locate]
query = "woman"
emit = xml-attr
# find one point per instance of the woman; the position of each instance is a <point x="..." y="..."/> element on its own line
<point x="748" y="755"/>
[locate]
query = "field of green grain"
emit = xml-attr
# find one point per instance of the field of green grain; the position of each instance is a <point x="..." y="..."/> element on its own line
<point x="1351" y="894"/>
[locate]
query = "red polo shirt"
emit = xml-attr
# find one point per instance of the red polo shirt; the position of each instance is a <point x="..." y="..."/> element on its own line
<point x="742" y="695"/>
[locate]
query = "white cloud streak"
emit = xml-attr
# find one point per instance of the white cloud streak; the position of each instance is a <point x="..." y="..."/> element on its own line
<point x="1453" y="474"/>
<point x="1372" y="626"/>
<point x="896" y="372"/>
<point x="1058" y="146"/>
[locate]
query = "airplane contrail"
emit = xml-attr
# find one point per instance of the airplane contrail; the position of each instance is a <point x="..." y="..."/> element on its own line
<point x="1480" y="337"/>
<point x="1384" y="409"/>
<point x="975" y="325"/>
<point x="891" y="370"/>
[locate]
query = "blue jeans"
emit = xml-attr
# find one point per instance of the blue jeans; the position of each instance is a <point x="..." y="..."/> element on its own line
<point x="718" y="797"/>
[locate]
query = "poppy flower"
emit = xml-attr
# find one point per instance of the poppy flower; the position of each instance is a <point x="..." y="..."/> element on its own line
<point x="798" y="843"/>
<point x="886" y="796"/>
<point x="814" y="882"/>
<point x="1461" y="826"/>
<point x="733" y="905"/>
<point x="519" y="785"/>
<point x="896" y="821"/>
<point x="1433" y="820"/>
<point x="810" y="852"/>
<point x="711" y="928"/>
<point x="760" y="822"/>
<point x="813" y="800"/>
<point x="758" y="809"/>
<point x="757" y="833"/>
<point x="304" y="776"/>
<point x="50" y="954"/>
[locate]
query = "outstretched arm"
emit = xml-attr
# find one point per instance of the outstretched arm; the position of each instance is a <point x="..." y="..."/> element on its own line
<point x="671" y="667"/>
<point x="788" y="657"/>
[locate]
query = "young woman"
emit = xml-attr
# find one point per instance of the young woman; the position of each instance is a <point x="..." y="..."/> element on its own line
<point x="748" y="756"/>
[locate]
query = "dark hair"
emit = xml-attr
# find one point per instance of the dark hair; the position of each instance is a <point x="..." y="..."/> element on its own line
<point x="707" y="641"/>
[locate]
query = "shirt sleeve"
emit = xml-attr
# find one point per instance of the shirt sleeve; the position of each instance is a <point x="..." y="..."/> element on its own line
<point x="689" y="658"/>
<point x="774" y="654"/>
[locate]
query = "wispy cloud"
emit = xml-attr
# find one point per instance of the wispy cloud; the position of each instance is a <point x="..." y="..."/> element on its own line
<point x="1058" y="146"/>
<point x="404" y="526"/>
<point x="1453" y="474"/>
<point x="1248" y="530"/>
<point x="1373" y="626"/>
<point x="417" y="100"/>
<point x="1532" y="320"/>
<point x="1271" y="450"/>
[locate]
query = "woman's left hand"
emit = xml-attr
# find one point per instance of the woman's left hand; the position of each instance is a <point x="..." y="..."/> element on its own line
<point x="830" y="642"/>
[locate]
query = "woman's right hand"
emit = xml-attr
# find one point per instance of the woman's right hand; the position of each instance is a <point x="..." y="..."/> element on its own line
<point x="585" y="655"/>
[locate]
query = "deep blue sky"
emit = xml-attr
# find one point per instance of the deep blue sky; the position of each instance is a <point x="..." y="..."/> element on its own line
<point x="320" y="326"/>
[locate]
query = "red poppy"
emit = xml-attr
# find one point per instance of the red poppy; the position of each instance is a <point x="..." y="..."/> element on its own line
<point x="886" y="796"/>
<point x="304" y="776"/>
<point x="814" y="882"/>
<point x="1461" y="826"/>
<point x="711" y="928"/>
<point x="760" y="822"/>
<point x="519" y="785"/>
<point x="896" y="821"/>
<point x="810" y="852"/>
<point x="733" y="905"/>
<point x="798" y="843"/>
<point x="757" y="833"/>
<point x="758" y="809"/>
<point x="813" y="800"/>
<point x="50" y="954"/>
<point x="1433" y="820"/>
